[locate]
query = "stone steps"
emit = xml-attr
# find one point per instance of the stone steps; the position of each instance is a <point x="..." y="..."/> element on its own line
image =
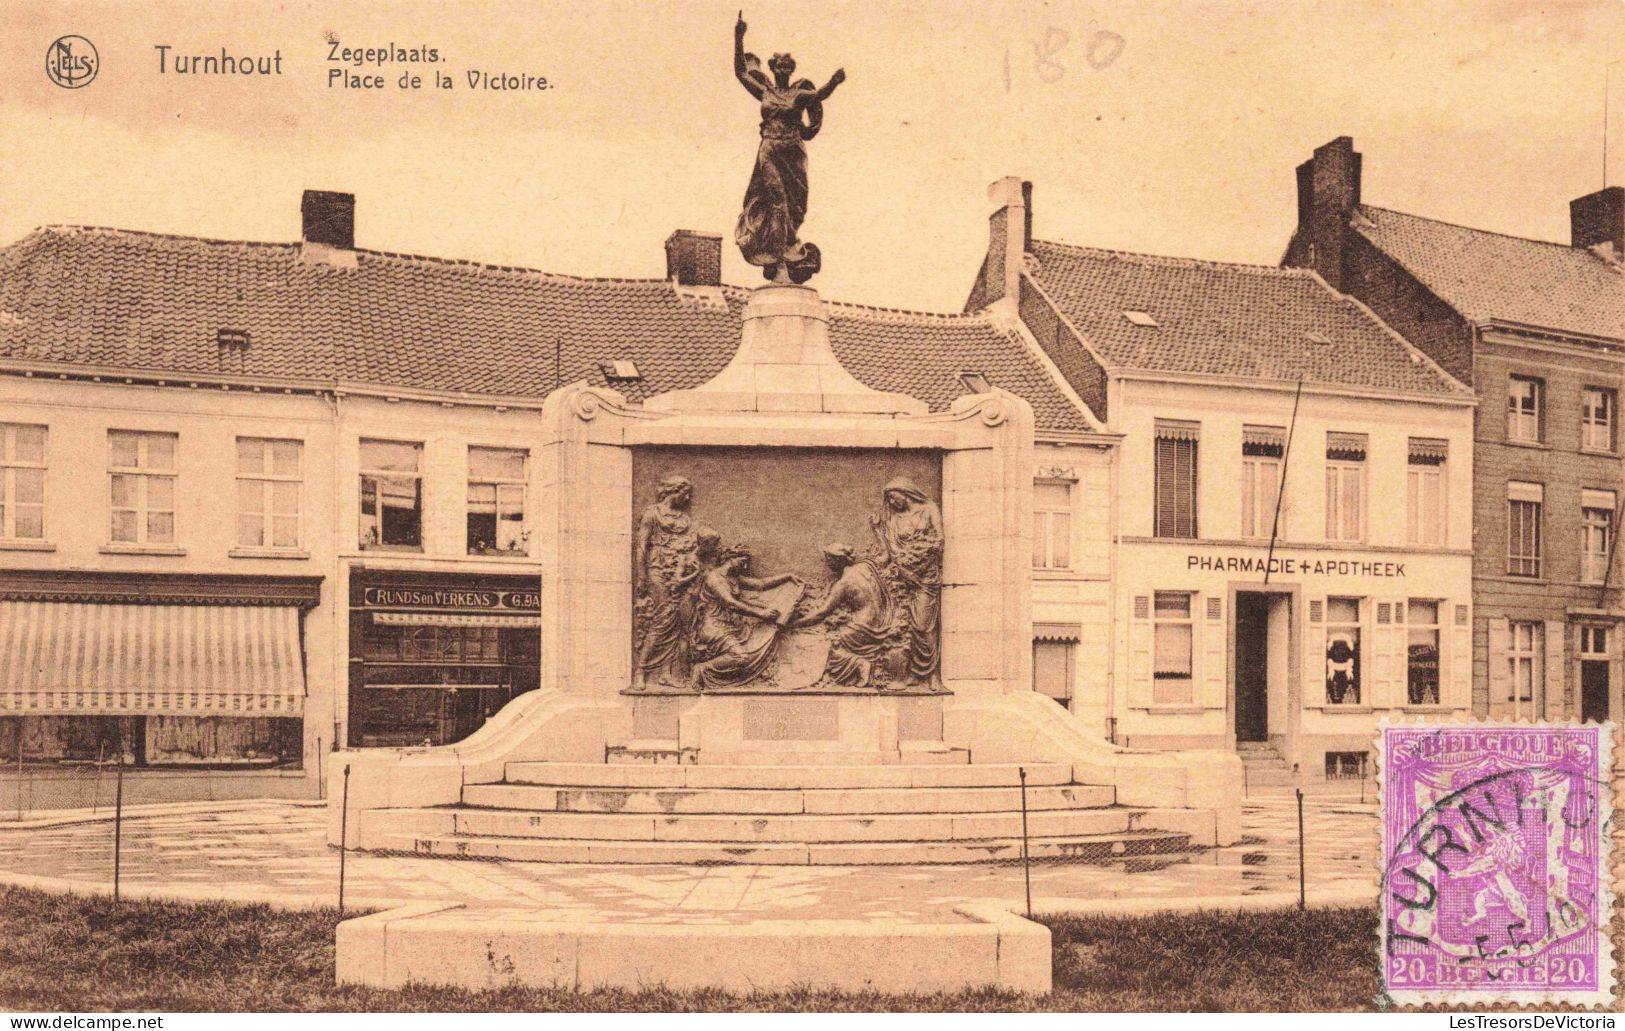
<point x="673" y="775"/>
<point x="1091" y="848"/>
<point x="784" y="801"/>
<point x="800" y="828"/>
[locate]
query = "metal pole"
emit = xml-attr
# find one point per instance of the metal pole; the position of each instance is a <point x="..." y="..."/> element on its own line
<point x="1280" y="488"/>
<point x="1303" y="891"/>
<point x="344" y="832"/>
<point x="118" y="820"/>
<point x="1026" y="861"/>
<point x="19" y="768"/>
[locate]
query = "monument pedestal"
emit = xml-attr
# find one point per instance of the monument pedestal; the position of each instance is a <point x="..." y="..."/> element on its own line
<point x="789" y="755"/>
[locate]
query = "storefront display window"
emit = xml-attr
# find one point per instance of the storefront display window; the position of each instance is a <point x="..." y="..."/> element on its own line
<point x="1343" y="651"/>
<point x="1422" y="653"/>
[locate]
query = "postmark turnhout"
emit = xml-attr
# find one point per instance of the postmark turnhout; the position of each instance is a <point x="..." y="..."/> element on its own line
<point x="1496" y="885"/>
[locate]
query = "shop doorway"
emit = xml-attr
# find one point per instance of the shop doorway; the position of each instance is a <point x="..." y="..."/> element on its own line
<point x="1594" y="690"/>
<point x="1261" y="661"/>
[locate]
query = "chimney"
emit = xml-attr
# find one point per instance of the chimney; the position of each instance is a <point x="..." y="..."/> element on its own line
<point x="1597" y="222"/>
<point x="329" y="219"/>
<point x="1010" y="236"/>
<point x="1328" y="193"/>
<point x="694" y="259"/>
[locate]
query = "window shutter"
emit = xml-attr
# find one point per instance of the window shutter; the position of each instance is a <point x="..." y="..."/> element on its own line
<point x="1211" y="688"/>
<point x="1556" y="671"/>
<point x="1386" y="689"/>
<point x="1456" y="683"/>
<point x="1314" y="642"/>
<point x="1139" y="652"/>
<point x="1500" y="676"/>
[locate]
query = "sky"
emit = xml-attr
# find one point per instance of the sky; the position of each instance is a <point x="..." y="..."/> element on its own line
<point x="1168" y="127"/>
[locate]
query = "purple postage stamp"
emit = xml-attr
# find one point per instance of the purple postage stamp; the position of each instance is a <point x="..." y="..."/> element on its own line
<point x="1496" y="882"/>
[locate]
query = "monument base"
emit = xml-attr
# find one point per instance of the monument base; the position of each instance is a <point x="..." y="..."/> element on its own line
<point x="805" y="728"/>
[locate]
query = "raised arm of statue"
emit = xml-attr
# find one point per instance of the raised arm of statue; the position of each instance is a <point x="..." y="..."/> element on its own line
<point x="829" y="87"/>
<point x="741" y="71"/>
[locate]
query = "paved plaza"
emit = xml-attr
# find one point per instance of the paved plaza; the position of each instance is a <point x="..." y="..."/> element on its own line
<point x="274" y="851"/>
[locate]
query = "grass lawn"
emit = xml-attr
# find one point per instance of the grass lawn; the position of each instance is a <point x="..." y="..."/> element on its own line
<point x="75" y="953"/>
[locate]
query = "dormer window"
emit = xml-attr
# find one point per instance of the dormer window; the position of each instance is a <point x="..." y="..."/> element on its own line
<point x="975" y="382"/>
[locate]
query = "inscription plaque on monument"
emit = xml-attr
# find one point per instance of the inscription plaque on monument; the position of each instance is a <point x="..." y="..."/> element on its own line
<point x="816" y="570"/>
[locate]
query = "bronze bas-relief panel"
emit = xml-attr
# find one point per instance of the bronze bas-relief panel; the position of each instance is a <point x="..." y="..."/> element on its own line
<point x="799" y="569"/>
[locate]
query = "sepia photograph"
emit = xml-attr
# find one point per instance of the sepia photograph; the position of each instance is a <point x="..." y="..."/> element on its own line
<point x="650" y="506"/>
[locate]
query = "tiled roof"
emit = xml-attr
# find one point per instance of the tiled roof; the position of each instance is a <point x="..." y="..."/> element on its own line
<point x="1228" y="319"/>
<point x="1488" y="276"/>
<point x="139" y="301"/>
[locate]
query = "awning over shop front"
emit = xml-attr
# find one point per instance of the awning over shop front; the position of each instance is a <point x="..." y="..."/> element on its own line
<point x="70" y="658"/>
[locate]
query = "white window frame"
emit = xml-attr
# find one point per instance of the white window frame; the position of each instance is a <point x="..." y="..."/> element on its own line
<point x="264" y="482"/>
<point x="1422" y="529"/>
<point x="500" y="486"/>
<point x="1596" y="535"/>
<point x="1336" y="482"/>
<point x="1593" y="641"/>
<point x="143" y="475"/>
<point x="1526" y="497"/>
<point x="1526" y="640"/>
<point x="1188" y="621"/>
<point x="1525" y="425"/>
<point x="377" y="518"/>
<point x="1260" y="494"/>
<point x="10" y="466"/>
<point x="1598" y="420"/>
<point x="1049" y="518"/>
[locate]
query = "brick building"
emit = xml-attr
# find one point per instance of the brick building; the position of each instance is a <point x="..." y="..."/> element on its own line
<point x="1538" y="329"/>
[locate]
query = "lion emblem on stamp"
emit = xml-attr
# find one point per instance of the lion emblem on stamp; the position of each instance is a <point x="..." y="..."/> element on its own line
<point x="1496" y="885"/>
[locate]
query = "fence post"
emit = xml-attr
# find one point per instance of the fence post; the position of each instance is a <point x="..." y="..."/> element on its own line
<point x="1026" y="861"/>
<point x="118" y="821"/>
<point x="1303" y="890"/>
<point x="344" y="833"/>
<point x="19" y="769"/>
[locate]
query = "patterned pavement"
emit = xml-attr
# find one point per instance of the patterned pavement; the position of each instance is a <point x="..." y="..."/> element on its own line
<point x="274" y="851"/>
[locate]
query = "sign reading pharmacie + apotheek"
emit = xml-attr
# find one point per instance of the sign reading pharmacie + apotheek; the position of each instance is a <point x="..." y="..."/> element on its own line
<point x="1303" y="564"/>
<point x="451" y="599"/>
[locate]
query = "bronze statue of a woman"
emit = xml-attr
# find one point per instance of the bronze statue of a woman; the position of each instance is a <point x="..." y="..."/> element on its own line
<point x="776" y="199"/>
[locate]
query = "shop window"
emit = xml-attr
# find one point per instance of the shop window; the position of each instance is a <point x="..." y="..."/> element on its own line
<point x="1052" y="670"/>
<point x="1173" y="649"/>
<point x="1524" y="662"/>
<point x="1524" y="504"/>
<point x="436" y="678"/>
<point x="1425" y="494"/>
<point x="141" y="469"/>
<point x="391" y="494"/>
<point x="1422" y="653"/>
<point x="1526" y="397"/>
<point x="1345" y="486"/>
<point x="1596" y="534"/>
<point x="1343" y="655"/>
<point x="1598" y="417"/>
<point x="496" y="501"/>
<point x="22" y="482"/>
<point x="1052" y="524"/>
<point x="269" y="482"/>
<point x="1175" y="501"/>
<point x="1262" y="448"/>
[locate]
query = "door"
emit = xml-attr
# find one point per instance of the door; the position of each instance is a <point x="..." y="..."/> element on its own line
<point x="1594" y="690"/>
<point x="1252" y="667"/>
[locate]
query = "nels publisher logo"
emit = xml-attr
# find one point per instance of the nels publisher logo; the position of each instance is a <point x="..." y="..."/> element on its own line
<point x="72" y="62"/>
